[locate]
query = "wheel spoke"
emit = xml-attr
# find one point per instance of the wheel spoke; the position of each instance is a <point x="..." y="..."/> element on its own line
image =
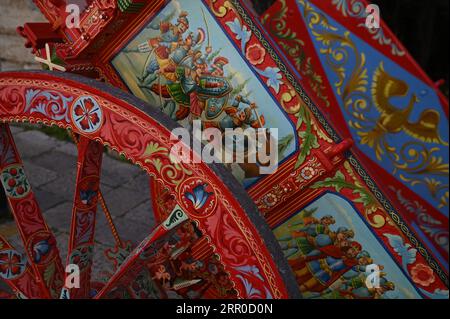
<point x="189" y="261"/>
<point x="38" y="239"/>
<point x="84" y="211"/>
<point x="105" y="208"/>
<point x="215" y="203"/>
<point x="136" y="263"/>
<point x="163" y="201"/>
<point x="109" y="219"/>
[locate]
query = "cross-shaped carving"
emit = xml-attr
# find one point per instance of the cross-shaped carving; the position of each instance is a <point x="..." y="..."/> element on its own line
<point x="48" y="60"/>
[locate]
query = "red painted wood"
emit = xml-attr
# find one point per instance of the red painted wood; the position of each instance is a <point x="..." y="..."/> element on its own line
<point x="84" y="213"/>
<point x="21" y="279"/>
<point x="115" y="119"/>
<point x="38" y="239"/>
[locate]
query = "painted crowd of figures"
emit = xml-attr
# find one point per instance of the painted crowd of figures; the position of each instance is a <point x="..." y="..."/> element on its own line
<point x="189" y="79"/>
<point x="327" y="263"/>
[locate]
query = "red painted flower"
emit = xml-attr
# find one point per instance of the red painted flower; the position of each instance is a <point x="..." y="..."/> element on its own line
<point x="255" y="54"/>
<point x="87" y="114"/>
<point x="20" y="190"/>
<point x="12" y="182"/>
<point x="423" y="275"/>
<point x="11" y="264"/>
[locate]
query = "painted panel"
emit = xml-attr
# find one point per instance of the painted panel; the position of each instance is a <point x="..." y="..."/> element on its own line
<point x="183" y="51"/>
<point x="370" y="89"/>
<point x="393" y="115"/>
<point x="329" y="247"/>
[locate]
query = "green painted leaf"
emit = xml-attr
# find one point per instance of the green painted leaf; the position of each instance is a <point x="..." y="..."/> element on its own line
<point x="48" y="274"/>
<point x="308" y="139"/>
<point x="337" y="182"/>
<point x="153" y="148"/>
<point x="364" y="197"/>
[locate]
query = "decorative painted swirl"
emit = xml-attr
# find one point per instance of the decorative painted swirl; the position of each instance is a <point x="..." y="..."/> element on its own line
<point x="437" y="231"/>
<point x="295" y="48"/>
<point x="222" y="10"/>
<point x="175" y="218"/>
<point x="357" y="9"/>
<point x="414" y="160"/>
<point x="340" y="182"/>
<point x="169" y="172"/>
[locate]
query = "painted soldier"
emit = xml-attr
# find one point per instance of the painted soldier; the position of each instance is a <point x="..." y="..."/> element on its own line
<point x="179" y="60"/>
<point x="359" y="271"/>
<point x="340" y="239"/>
<point x="359" y="289"/>
<point x="314" y="234"/>
<point x="199" y="70"/>
<point x="193" y="88"/>
<point x="237" y="116"/>
<point x="319" y="272"/>
<point x="203" y="78"/>
<point x="170" y="38"/>
<point x="177" y="72"/>
<point x="343" y="234"/>
<point x="217" y="67"/>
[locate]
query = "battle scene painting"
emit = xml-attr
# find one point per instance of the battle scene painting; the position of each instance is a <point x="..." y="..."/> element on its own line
<point x="176" y="64"/>
<point x="330" y="250"/>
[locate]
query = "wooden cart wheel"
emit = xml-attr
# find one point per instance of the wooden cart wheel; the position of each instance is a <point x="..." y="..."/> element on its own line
<point x="240" y="253"/>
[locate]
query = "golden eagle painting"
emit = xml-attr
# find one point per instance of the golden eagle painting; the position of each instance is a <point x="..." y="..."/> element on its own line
<point x="394" y="119"/>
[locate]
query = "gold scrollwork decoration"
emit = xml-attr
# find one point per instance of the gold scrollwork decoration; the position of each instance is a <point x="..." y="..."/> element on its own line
<point x="169" y="170"/>
<point x="222" y="10"/>
<point x="295" y="48"/>
<point x="414" y="161"/>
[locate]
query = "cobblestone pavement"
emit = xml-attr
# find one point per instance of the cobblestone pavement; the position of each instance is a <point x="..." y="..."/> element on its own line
<point x="50" y="165"/>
